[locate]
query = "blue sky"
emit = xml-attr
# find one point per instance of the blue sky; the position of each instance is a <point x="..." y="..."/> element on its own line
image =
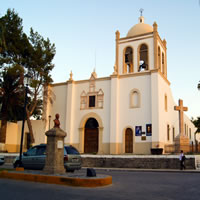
<point x="84" y="35"/>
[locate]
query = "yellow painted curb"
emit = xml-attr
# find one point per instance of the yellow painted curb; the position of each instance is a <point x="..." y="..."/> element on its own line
<point x="81" y="182"/>
<point x="19" y="169"/>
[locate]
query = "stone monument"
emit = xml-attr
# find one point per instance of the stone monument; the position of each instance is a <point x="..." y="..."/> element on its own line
<point x="181" y="141"/>
<point x="55" y="149"/>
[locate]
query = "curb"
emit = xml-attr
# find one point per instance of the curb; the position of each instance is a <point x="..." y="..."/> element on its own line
<point x="79" y="182"/>
<point x="147" y="170"/>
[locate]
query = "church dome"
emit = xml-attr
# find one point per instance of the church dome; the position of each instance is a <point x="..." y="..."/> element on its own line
<point x="140" y="28"/>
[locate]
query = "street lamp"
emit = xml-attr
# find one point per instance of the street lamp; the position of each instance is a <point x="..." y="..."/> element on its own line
<point x="26" y="82"/>
<point x="49" y="121"/>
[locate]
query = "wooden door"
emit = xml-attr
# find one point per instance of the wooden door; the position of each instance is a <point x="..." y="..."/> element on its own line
<point x="91" y="140"/>
<point x="129" y="141"/>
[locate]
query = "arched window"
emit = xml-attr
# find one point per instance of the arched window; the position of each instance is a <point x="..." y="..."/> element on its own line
<point x="166" y="103"/>
<point x="128" y="60"/>
<point x="143" y="58"/>
<point x="159" y="58"/>
<point x="135" y="99"/>
<point x="173" y="129"/>
<point x="163" y="63"/>
<point x="168" y="132"/>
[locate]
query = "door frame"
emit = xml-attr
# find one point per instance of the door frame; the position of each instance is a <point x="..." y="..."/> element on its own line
<point x="123" y="143"/>
<point x="82" y="132"/>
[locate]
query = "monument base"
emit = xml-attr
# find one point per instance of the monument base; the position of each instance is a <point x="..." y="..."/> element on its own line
<point x="54" y="170"/>
<point x="182" y="143"/>
<point x="2" y="147"/>
<point x="54" y="163"/>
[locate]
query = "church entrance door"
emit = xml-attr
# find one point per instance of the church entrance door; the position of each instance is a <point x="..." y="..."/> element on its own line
<point x="91" y="139"/>
<point x="129" y="141"/>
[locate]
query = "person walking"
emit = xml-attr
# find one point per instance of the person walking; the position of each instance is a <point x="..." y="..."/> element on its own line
<point x="182" y="160"/>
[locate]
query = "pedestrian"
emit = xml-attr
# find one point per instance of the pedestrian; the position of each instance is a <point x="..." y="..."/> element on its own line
<point x="182" y="160"/>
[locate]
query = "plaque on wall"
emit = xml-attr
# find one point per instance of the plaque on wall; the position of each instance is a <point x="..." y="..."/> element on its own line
<point x="60" y="144"/>
<point x="138" y="130"/>
<point x="143" y="137"/>
<point x="149" y="129"/>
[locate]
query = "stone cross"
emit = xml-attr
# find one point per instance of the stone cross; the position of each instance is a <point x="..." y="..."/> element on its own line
<point x="180" y="108"/>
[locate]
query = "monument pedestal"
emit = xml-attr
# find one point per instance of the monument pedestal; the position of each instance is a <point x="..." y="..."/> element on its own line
<point x="55" y="151"/>
<point x="182" y="143"/>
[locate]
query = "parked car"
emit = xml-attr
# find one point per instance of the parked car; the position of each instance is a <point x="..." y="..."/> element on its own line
<point x="1" y="160"/>
<point x="35" y="157"/>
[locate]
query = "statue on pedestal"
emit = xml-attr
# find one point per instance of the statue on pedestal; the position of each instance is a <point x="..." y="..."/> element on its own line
<point x="56" y="121"/>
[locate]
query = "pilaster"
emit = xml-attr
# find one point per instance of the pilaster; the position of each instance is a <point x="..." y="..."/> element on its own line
<point x="165" y="45"/>
<point x="117" y="51"/>
<point x="155" y="39"/>
<point x="114" y="114"/>
<point x="155" y="119"/>
<point x="70" y="111"/>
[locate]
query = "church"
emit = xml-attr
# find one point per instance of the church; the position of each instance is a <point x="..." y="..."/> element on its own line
<point x="131" y="111"/>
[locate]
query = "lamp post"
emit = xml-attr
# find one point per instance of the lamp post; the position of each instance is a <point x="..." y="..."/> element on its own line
<point x="49" y="121"/>
<point x="26" y="80"/>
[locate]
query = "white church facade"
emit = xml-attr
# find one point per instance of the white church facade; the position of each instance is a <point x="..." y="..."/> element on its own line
<point x="130" y="111"/>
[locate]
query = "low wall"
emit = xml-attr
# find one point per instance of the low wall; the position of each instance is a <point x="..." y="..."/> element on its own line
<point x="133" y="161"/>
<point x="143" y="162"/>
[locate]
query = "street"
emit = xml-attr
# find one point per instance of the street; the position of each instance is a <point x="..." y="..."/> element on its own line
<point x="126" y="185"/>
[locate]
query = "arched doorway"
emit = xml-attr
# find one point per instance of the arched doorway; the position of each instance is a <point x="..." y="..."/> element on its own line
<point x="91" y="139"/>
<point x="129" y="141"/>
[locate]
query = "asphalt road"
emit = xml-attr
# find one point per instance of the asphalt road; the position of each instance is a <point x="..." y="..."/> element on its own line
<point x="126" y="185"/>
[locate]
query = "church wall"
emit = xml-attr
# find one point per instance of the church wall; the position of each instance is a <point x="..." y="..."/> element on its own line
<point x="59" y="104"/>
<point x="80" y="114"/>
<point x="131" y="117"/>
<point x="38" y="131"/>
<point x="191" y="126"/>
<point x="13" y="135"/>
<point x="12" y="138"/>
<point x="171" y="116"/>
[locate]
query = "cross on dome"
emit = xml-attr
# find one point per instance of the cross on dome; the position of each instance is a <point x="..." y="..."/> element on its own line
<point x="141" y="11"/>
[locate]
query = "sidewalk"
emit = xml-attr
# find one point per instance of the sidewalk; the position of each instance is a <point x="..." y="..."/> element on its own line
<point x="147" y="170"/>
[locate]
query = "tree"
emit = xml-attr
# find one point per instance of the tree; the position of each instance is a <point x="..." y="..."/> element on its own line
<point x="2" y="39"/>
<point x="39" y="66"/>
<point x="198" y="86"/>
<point x="33" y="53"/>
<point x="11" y="96"/>
<point x="196" y="122"/>
<point x="12" y="54"/>
<point x="14" y="43"/>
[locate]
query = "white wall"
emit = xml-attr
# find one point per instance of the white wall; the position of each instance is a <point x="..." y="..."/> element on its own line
<point x="59" y="104"/>
<point x="134" y="116"/>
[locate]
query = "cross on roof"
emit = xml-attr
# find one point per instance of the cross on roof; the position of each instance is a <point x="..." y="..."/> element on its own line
<point x="181" y="109"/>
<point x="141" y="11"/>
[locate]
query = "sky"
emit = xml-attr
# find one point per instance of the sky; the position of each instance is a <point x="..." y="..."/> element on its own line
<point x="83" y="32"/>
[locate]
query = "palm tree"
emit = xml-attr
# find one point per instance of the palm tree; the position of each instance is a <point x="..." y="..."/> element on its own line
<point x="11" y="96"/>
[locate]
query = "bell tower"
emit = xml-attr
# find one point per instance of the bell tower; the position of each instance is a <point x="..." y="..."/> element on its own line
<point x="142" y="50"/>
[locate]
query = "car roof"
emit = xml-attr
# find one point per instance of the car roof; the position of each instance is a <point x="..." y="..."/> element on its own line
<point x="46" y="145"/>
